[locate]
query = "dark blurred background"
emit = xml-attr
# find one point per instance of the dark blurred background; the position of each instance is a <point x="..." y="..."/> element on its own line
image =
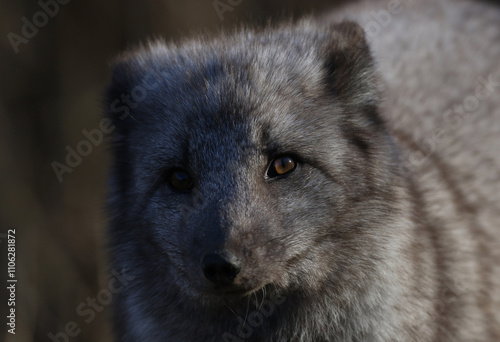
<point x="54" y="65"/>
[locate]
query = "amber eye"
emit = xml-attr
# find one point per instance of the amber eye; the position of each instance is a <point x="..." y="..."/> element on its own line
<point x="281" y="166"/>
<point x="179" y="179"/>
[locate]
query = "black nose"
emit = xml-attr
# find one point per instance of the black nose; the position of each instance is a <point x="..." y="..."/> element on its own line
<point x="221" y="268"/>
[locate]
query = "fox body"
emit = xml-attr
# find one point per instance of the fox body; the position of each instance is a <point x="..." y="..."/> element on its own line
<point x="311" y="181"/>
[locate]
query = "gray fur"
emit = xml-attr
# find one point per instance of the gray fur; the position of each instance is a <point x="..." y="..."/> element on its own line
<point x="389" y="228"/>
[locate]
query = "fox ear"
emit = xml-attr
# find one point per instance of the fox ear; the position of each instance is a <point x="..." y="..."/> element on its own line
<point x="121" y="80"/>
<point x="348" y="62"/>
<point x="123" y="91"/>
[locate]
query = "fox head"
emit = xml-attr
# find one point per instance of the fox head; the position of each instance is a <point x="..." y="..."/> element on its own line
<point x="251" y="161"/>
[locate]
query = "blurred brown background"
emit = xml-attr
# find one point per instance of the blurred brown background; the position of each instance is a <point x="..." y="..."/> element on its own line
<point x="50" y="90"/>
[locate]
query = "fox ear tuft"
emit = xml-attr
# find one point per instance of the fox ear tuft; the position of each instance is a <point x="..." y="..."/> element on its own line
<point x="348" y="62"/>
<point x="349" y="38"/>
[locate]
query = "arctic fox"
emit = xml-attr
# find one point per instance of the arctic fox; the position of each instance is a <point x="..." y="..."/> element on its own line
<point x="319" y="180"/>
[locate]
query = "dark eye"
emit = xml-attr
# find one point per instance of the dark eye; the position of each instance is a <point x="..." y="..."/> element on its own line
<point x="281" y="166"/>
<point x="179" y="179"/>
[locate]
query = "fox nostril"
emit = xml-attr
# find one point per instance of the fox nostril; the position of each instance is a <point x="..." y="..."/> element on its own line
<point x="221" y="268"/>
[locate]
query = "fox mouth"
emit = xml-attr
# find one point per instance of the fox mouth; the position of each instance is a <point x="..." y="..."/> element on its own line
<point x="231" y="291"/>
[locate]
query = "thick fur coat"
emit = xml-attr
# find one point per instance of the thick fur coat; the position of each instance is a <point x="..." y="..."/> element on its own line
<point x="387" y="228"/>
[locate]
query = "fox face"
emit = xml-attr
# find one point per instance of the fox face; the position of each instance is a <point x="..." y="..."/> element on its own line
<point x="252" y="169"/>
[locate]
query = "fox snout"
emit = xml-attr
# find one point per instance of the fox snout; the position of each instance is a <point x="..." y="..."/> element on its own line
<point x="221" y="268"/>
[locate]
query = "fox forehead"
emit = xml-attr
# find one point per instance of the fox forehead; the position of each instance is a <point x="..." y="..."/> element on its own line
<point x="222" y="112"/>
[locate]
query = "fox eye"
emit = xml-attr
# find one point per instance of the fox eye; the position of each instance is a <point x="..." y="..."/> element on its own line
<point x="179" y="179"/>
<point x="281" y="166"/>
